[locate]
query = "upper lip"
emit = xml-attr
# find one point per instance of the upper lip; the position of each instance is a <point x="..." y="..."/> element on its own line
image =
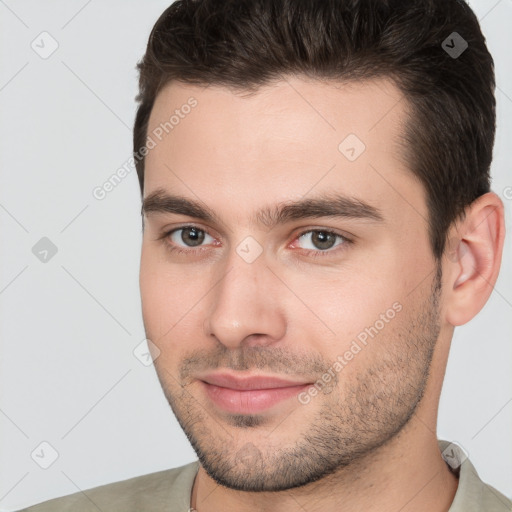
<point x="226" y="380"/>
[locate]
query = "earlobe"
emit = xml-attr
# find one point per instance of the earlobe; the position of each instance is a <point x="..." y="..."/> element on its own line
<point x="474" y="258"/>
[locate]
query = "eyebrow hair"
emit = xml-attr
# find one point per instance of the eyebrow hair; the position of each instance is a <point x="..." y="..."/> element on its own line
<point x="326" y="205"/>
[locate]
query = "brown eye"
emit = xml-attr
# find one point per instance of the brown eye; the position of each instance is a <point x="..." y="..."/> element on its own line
<point x="193" y="235"/>
<point x="188" y="236"/>
<point x="321" y="240"/>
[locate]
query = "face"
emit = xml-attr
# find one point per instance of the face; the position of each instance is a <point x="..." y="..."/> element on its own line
<point x="287" y="279"/>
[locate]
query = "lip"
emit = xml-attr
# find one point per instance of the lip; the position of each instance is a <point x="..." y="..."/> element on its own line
<point x="249" y="394"/>
<point x="244" y="383"/>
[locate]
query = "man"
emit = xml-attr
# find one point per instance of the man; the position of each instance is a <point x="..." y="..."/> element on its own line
<point x="317" y="220"/>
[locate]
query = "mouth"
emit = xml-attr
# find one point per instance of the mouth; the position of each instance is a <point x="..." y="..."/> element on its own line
<point x="249" y="394"/>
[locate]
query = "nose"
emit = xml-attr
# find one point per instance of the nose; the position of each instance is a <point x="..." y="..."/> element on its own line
<point x="245" y="306"/>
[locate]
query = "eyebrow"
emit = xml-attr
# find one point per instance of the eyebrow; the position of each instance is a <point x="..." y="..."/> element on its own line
<point x="326" y="205"/>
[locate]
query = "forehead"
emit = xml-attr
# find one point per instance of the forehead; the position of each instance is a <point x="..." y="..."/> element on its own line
<point x="305" y="109"/>
<point x="293" y="137"/>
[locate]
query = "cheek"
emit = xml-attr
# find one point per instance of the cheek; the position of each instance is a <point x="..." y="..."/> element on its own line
<point x="338" y="305"/>
<point x="159" y="294"/>
<point x="171" y="299"/>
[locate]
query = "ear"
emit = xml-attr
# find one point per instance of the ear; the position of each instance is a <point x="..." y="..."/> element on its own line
<point x="472" y="258"/>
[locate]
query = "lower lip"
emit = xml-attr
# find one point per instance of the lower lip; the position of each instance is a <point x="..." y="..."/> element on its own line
<point x="250" y="401"/>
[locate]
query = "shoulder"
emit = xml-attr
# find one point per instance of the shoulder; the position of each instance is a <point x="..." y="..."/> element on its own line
<point x="473" y="494"/>
<point x="146" y="492"/>
<point x="482" y="496"/>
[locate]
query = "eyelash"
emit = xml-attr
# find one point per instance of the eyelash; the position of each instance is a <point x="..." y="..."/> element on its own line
<point x="311" y="252"/>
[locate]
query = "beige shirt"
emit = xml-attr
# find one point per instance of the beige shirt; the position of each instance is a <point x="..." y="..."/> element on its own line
<point x="170" y="490"/>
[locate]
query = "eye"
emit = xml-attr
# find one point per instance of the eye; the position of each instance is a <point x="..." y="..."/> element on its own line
<point x="321" y="241"/>
<point x="190" y="236"/>
<point x="189" y="239"/>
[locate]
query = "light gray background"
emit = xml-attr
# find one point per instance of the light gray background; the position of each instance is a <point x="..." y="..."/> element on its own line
<point x="68" y="375"/>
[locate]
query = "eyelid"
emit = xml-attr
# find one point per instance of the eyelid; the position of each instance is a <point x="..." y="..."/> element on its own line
<point x="325" y="229"/>
<point x="168" y="232"/>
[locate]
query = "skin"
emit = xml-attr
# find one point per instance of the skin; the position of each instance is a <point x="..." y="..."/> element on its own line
<point x="368" y="441"/>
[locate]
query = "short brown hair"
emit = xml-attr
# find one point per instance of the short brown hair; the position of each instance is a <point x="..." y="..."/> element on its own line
<point x="245" y="44"/>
